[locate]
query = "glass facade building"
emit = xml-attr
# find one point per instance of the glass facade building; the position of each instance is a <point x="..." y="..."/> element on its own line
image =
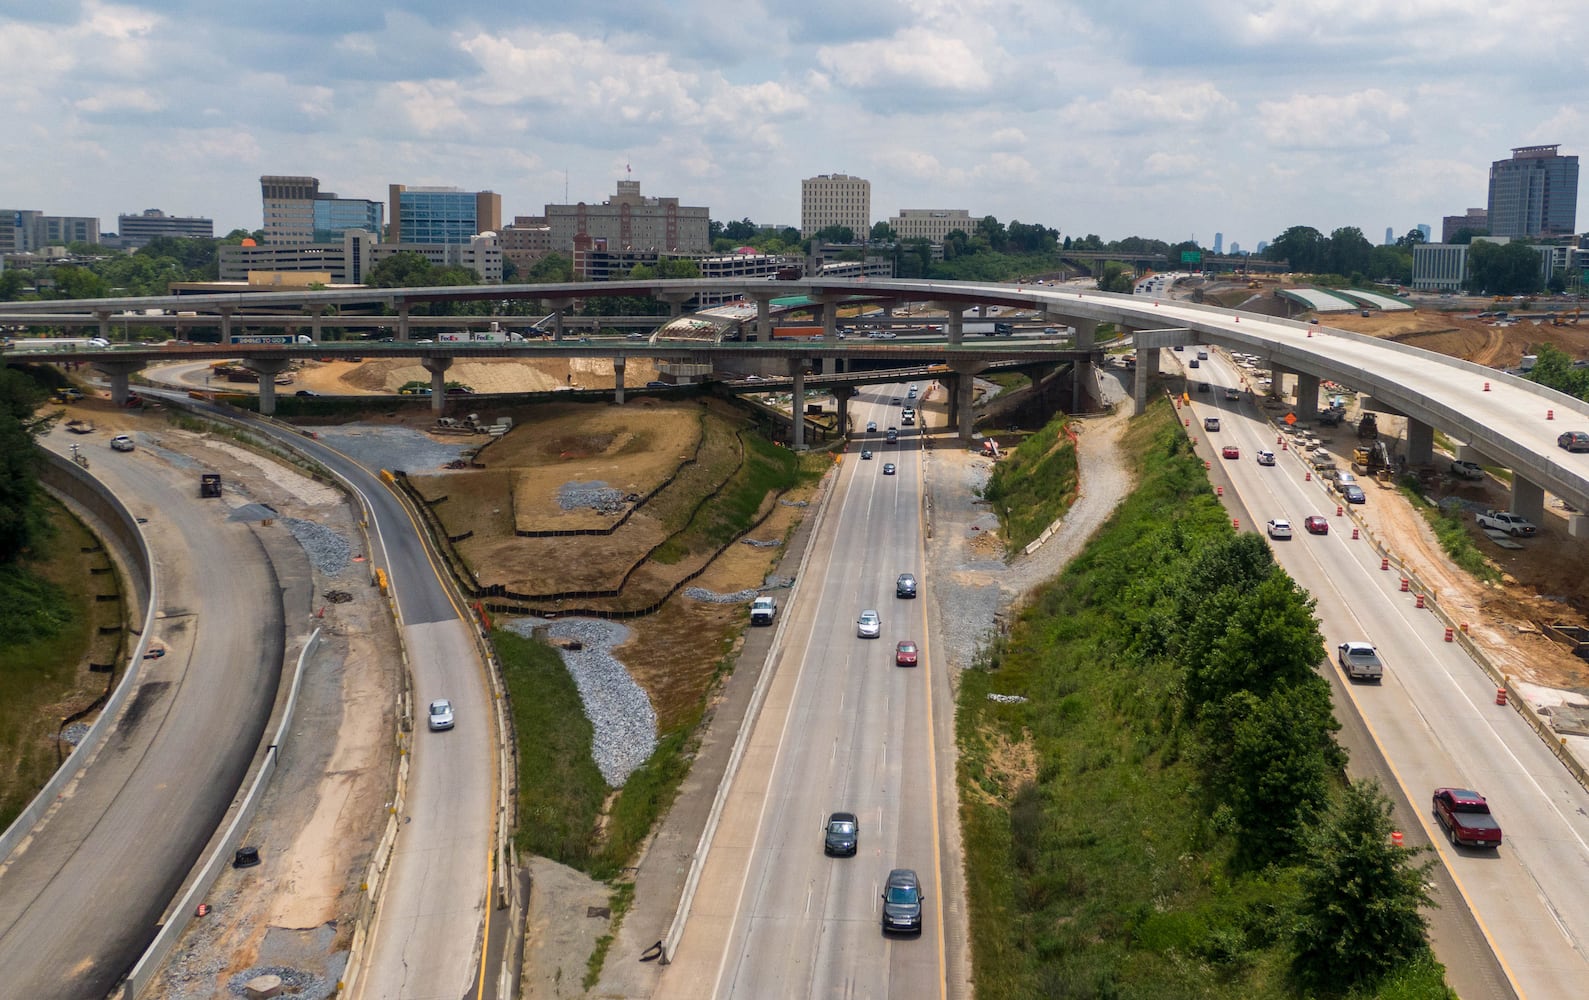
<point x="1535" y="193"/>
<point x="334" y="216"/>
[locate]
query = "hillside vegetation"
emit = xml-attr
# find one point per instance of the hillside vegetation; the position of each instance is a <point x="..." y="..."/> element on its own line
<point x="1161" y="810"/>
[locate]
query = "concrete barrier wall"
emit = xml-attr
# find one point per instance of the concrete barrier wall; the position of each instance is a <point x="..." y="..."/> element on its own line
<point x="182" y="911"/>
<point x="67" y="480"/>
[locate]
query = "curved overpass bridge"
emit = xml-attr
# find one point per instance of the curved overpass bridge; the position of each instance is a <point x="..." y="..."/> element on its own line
<point x="1508" y="420"/>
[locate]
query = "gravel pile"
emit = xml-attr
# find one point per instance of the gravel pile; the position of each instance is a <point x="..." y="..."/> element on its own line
<point x="593" y="493"/>
<point x="795" y="503"/>
<point x="396" y="448"/>
<point x="620" y="713"/>
<point x="74" y="733"/>
<point x="1007" y="699"/>
<point x="712" y="597"/>
<point x="761" y="543"/>
<point x="294" y="982"/>
<point x="328" y="551"/>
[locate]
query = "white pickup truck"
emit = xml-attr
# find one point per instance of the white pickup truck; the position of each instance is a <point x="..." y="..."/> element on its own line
<point x="762" y="610"/>
<point x="1515" y="525"/>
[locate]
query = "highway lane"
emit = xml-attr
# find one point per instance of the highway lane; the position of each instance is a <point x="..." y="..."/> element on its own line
<point x="80" y="900"/>
<point x="429" y="931"/>
<point x="1435" y="718"/>
<point x="843" y="728"/>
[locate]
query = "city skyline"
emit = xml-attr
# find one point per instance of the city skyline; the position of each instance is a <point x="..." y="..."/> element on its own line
<point x="1163" y="120"/>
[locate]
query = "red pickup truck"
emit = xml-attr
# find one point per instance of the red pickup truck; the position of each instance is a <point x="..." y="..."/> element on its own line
<point x="1466" y="818"/>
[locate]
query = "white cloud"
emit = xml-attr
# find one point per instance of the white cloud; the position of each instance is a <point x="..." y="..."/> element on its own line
<point x="1362" y="120"/>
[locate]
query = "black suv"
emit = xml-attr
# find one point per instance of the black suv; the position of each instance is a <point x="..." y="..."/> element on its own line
<point x="905" y="586"/>
<point x="902" y="902"/>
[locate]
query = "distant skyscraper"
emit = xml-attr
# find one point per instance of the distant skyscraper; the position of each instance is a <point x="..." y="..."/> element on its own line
<point x="1390" y="236"/>
<point x="441" y="214"/>
<point x="1535" y="193"/>
<point x="836" y="200"/>
<point x="1262" y="246"/>
<point x="1423" y="227"/>
<point x="1219" y="243"/>
<point x="1235" y="248"/>
<point x="296" y="211"/>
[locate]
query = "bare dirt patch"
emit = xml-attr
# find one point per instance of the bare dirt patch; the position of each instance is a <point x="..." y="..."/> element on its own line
<point x="1460" y="336"/>
<point x="343" y="378"/>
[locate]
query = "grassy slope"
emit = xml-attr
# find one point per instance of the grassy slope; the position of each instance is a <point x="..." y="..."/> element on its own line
<point x="1091" y="866"/>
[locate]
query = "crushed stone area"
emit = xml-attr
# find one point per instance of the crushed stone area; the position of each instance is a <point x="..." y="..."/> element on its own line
<point x="737" y="597"/>
<point x="623" y="721"/>
<point x="399" y="449"/>
<point x="327" y="550"/>
<point x="594" y="494"/>
<point x="299" y="485"/>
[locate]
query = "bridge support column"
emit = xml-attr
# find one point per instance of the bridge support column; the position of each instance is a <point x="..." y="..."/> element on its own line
<point x="1277" y="384"/>
<point x="955" y="326"/>
<point x="763" y="318"/>
<point x="1307" y="396"/>
<point x="797" y="404"/>
<point x="1147" y="371"/>
<point x="267" y="369"/>
<point x="317" y="315"/>
<point x="962" y="391"/>
<point x="1528" y="499"/>
<point x="1420" y="442"/>
<point x="118" y="372"/>
<point x="841" y="400"/>
<point x="1578" y="525"/>
<point x="437" y="366"/>
<point x="226" y="325"/>
<point x="402" y="322"/>
<point x="1082" y="377"/>
<point x="675" y="301"/>
<point x="103" y="315"/>
<point x="618" y="365"/>
<point x="556" y="308"/>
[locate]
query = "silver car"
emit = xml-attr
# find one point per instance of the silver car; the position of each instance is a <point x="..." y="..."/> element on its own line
<point x="869" y="625"/>
<point x="440" y="714"/>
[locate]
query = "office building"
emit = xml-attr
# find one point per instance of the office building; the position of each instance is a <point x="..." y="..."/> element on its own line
<point x="1219" y="243"/>
<point x="931" y="224"/>
<point x="133" y="231"/>
<point x="1534" y="194"/>
<point x="1439" y="267"/>
<point x="1390" y="236"/>
<point x="1423" y="227"/>
<point x="626" y="221"/>
<point x="835" y="200"/>
<point x="296" y="211"/>
<point x="440" y="215"/>
<point x="352" y="257"/>
<point x="1477" y="220"/>
<point x="31" y="231"/>
<point x="593" y="261"/>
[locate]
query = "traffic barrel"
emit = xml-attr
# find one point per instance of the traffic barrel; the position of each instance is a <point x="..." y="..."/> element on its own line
<point x="1550" y="414"/>
<point x="1451" y="635"/>
<point x="1395" y="838"/>
<point x="1354" y="534"/>
<point x="1419" y="602"/>
<point x="1486" y="387"/>
<point x="1384" y="564"/>
<point x="1219" y="491"/>
<point x="1339" y="510"/>
<point x="1405" y="585"/>
<point x="1500" y="696"/>
<point x="1235" y="523"/>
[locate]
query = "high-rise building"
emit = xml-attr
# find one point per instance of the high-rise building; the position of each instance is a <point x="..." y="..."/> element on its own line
<point x="441" y="214"/>
<point x="626" y="221"/>
<point x="1534" y="194"/>
<point x="835" y="200"/>
<point x="1476" y="220"/>
<point x="927" y="223"/>
<point x="1219" y="243"/>
<point x="29" y="230"/>
<point x="135" y="231"/>
<point x="1390" y="236"/>
<point x="1423" y="227"/>
<point x="297" y="211"/>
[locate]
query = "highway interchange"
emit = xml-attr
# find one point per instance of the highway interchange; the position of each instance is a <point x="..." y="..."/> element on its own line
<point x="847" y="729"/>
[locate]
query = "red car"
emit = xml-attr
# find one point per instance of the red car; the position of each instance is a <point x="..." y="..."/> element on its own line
<point x="1316" y="525"/>
<point x="905" y="654"/>
<point x="1231" y="451"/>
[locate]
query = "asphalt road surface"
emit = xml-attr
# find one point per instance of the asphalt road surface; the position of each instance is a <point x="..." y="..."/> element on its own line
<point x="1435" y="718"/>
<point x="80" y="900"/>
<point x="843" y="728"/>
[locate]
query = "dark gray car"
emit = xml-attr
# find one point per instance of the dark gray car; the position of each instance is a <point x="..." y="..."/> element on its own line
<point x="905" y="586"/>
<point x="841" y="836"/>
<point x="902" y="900"/>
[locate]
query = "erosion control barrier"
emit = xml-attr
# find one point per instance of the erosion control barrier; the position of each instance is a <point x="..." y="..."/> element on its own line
<point x="66" y="480"/>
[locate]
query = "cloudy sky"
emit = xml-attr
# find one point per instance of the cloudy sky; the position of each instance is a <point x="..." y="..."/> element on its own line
<point x="1165" y="118"/>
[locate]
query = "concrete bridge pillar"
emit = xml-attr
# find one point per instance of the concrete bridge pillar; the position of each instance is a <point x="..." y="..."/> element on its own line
<point x="1307" y="395"/>
<point x="618" y="365"/>
<point x="267" y="369"/>
<point x="1277" y="375"/>
<point x="841" y="399"/>
<point x="317" y="315"/>
<point x="1420" y="442"/>
<point x="961" y="393"/>
<point x="1528" y="499"/>
<point x="118" y="372"/>
<point x="675" y="301"/>
<point x="1147" y="371"/>
<point x="763" y="317"/>
<point x="797" y="404"/>
<point x="1086" y="340"/>
<point x="437" y="366"/>
<point x="556" y="307"/>
<point x="103" y="315"/>
<point x="1086" y="333"/>
<point x="955" y="326"/>
<point x="402" y="321"/>
<point x="226" y="324"/>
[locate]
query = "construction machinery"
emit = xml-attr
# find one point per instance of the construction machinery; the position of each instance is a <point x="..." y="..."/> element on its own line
<point x="1370" y="458"/>
<point x="209" y="484"/>
<point x="1368" y="427"/>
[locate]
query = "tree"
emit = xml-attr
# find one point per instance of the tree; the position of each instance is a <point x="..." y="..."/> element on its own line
<point x="882" y="232"/>
<point x="1412" y="238"/>
<point x="742" y="231"/>
<point x="1391" y="264"/>
<point x="1503" y="269"/>
<point x="1116" y="277"/>
<point x="1360" y="913"/>
<point x="991" y="230"/>
<point x="1553" y="368"/>
<point x="1305" y="247"/>
<point x="552" y="268"/>
<point x="21" y="521"/>
<point x="405" y="269"/>
<point x="1465" y="235"/>
<point x="1276" y="768"/>
<point x="956" y="243"/>
<point x="1350" y="251"/>
<point x="835" y="234"/>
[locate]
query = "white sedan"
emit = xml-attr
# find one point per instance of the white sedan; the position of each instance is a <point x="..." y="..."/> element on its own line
<point x="121" y="442"/>
<point x="869" y="625"/>
<point x="440" y="714"/>
<point x="1279" y="528"/>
